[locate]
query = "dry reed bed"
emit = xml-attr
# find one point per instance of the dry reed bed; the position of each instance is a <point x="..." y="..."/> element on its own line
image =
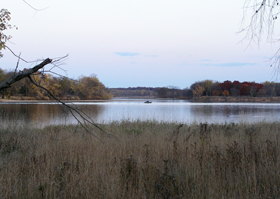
<point x="149" y="160"/>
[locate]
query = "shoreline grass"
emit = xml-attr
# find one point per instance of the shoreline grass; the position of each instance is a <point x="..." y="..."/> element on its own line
<point x="148" y="160"/>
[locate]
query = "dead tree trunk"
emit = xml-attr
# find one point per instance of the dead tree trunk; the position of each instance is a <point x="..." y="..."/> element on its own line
<point x="23" y="74"/>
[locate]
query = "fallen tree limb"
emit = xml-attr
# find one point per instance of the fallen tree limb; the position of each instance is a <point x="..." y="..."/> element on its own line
<point x="23" y="74"/>
<point x="84" y="117"/>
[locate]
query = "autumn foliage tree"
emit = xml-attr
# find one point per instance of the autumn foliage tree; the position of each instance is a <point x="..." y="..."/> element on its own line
<point x="41" y="80"/>
<point x="85" y="88"/>
<point x="235" y="88"/>
<point x="241" y="88"/>
<point x="216" y="93"/>
<point x="225" y="93"/>
<point x="4" y="25"/>
<point x="226" y="85"/>
<point x="91" y="88"/>
<point x="198" y="91"/>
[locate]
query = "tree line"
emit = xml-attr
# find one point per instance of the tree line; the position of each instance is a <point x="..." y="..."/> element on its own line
<point x="147" y="92"/>
<point x="203" y="88"/>
<point x="134" y="92"/>
<point x="83" y="88"/>
<point x="90" y="88"/>
<point x="235" y="88"/>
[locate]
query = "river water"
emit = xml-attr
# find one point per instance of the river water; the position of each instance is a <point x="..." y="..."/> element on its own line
<point x="181" y="111"/>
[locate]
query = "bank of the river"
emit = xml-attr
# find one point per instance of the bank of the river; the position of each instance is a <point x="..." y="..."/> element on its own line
<point x="235" y="99"/>
<point x="199" y="99"/>
<point x="15" y="99"/>
<point x="47" y="101"/>
<point x="44" y="99"/>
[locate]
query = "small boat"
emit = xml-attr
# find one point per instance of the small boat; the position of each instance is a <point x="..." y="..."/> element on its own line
<point x="148" y="102"/>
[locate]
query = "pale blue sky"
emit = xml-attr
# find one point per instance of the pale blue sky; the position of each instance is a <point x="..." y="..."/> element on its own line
<point x="129" y="43"/>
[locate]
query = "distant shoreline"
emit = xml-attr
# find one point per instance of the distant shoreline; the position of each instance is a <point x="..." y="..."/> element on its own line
<point x="42" y="101"/>
<point x="199" y="99"/>
<point x="235" y="99"/>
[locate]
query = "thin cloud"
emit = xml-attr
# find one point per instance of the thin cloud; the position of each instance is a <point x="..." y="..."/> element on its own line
<point x="232" y="64"/>
<point x="236" y="64"/>
<point x="151" y="55"/>
<point x="125" y="54"/>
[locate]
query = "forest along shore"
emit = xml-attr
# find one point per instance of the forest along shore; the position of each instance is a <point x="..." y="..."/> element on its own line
<point x="235" y="99"/>
<point x="197" y="99"/>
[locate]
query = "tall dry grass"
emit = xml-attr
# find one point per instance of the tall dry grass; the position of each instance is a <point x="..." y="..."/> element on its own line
<point x="149" y="160"/>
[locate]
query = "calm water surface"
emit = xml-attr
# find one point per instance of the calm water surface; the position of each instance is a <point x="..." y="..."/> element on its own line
<point x="160" y="110"/>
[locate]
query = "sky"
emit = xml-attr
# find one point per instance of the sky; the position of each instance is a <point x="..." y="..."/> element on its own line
<point x="130" y="43"/>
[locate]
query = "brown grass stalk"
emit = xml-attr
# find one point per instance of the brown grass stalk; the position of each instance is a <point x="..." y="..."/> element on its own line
<point x="147" y="161"/>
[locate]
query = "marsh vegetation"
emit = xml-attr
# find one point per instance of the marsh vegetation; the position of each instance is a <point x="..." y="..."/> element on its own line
<point x="147" y="160"/>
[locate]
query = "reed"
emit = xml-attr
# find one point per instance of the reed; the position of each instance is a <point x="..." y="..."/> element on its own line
<point x="147" y="160"/>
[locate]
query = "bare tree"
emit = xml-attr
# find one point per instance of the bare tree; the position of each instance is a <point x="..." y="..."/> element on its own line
<point x="261" y="24"/>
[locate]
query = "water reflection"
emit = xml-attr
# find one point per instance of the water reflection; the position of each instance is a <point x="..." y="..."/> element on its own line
<point x="41" y="114"/>
<point x="235" y="112"/>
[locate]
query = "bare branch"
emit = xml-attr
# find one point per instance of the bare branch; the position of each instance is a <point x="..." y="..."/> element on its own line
<point x="17" y="64"/>
<point x="261" y="24"/>
<point x="33" y="7"/>
<point x="17" y="55"/>
<point x="84" y="117"/>
<point x="17" y="77"/>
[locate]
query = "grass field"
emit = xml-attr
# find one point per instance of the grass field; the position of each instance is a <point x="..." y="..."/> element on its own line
<point x="145" y="160"/>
